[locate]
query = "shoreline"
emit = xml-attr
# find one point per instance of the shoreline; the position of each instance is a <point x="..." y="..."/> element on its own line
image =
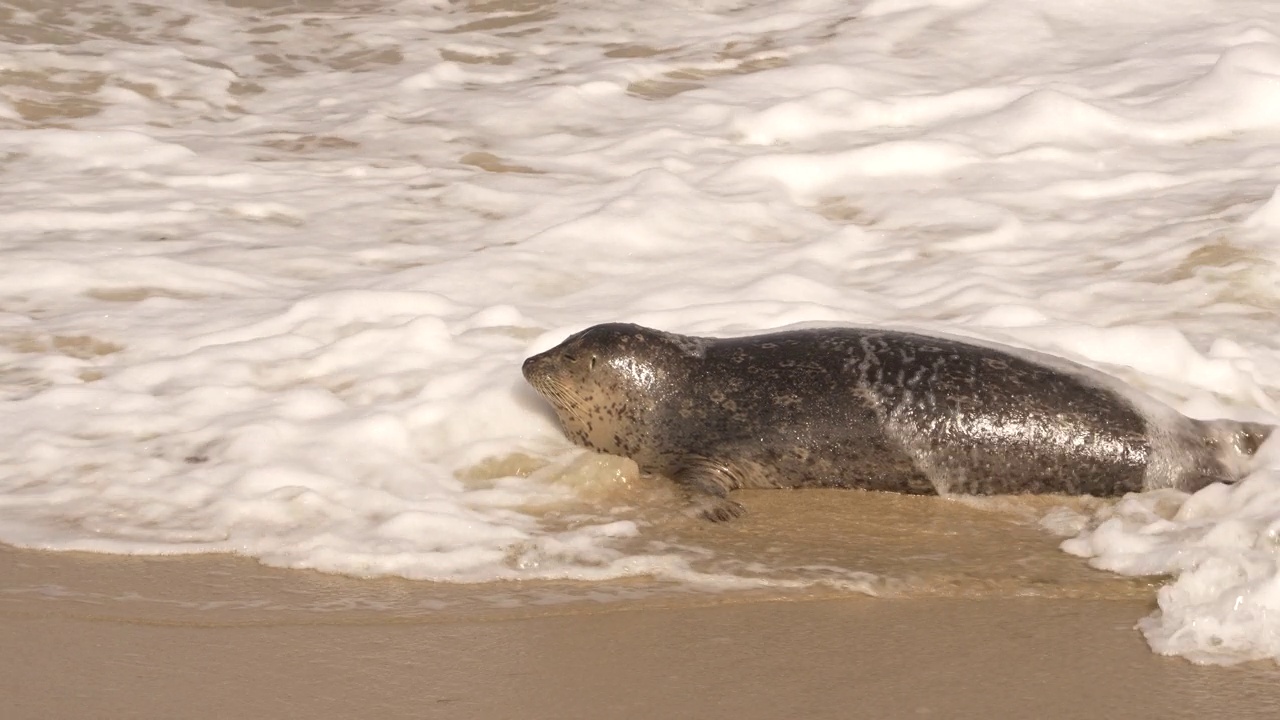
<point x="93" y="655"/>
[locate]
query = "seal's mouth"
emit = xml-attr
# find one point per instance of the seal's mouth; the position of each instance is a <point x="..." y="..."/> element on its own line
<point x="563" y="397"/>
<point x="539" y="372"/>
<point x="530" y="369"/>
<point x="535" y="371"/>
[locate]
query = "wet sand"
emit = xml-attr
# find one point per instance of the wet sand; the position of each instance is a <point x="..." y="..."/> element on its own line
<point x="220" y="636"/>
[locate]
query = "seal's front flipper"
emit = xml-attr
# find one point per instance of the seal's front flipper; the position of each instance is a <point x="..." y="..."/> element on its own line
<point x="708" y="484"/>
<point x="715" y="509"/>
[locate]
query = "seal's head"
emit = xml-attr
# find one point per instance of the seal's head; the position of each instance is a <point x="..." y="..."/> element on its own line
<point x="607" y="382"/>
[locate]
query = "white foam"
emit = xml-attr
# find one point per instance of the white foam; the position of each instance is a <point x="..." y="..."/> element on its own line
<point x="267" y="279"/>
<point x="1221" y="545"/>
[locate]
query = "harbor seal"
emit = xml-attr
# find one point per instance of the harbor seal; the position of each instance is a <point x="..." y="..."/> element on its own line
<point x="875" y="409"/>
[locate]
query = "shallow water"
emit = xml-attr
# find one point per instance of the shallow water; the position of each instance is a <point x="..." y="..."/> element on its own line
<point x="813" y="545"/>
<point x="269" y="270"/>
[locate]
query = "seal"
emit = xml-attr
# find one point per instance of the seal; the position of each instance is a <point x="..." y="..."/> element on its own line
<point x="875" y="409"/>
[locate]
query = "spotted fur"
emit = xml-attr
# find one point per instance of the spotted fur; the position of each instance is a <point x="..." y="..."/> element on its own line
<point x="873" y="409"/>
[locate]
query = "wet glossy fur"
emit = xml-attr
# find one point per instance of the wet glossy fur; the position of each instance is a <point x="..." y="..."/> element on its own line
<point x="873" y="409"/>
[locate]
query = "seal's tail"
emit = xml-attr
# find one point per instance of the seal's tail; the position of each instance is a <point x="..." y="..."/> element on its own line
<point x="1247" y="437"/>
<point x="1236" y="442"/>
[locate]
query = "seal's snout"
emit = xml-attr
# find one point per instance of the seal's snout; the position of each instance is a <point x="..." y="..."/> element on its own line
<point x="530" y="367"/>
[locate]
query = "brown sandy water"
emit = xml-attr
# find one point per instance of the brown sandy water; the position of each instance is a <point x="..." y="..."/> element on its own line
<point x="910" y="546"/>
<point x="219" y="636"/>
<point x="810" y="545"/>
<point x="978" y="615"/>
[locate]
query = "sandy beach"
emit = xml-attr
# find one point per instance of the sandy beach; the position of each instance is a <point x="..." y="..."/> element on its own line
<point x="120" y="637"/>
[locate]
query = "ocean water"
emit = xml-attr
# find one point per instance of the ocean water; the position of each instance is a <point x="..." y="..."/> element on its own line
<point x="268" y="271"/>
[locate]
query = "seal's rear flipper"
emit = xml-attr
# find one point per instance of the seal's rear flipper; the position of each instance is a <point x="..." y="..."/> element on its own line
<point x="1242" y="438"/>
<point x="1251" y="435"/>
<point x="1234" y="445"/>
